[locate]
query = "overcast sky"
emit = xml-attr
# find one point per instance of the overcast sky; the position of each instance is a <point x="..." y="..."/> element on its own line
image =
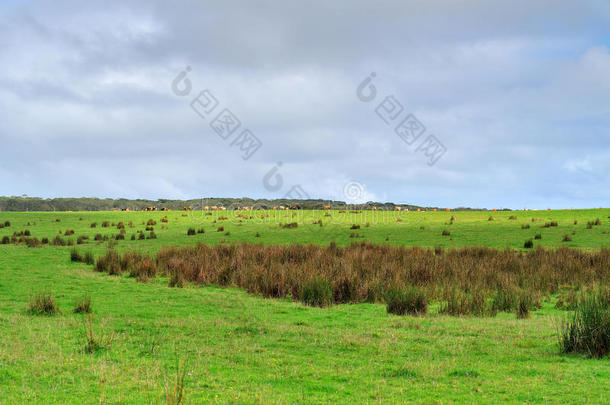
<point x="516" y="92"/>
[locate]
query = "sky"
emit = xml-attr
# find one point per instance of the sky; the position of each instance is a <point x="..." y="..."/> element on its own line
<point x="502" y="104"/>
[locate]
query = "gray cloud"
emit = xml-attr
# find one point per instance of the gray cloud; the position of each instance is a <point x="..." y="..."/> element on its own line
<point x="517" y="91"/>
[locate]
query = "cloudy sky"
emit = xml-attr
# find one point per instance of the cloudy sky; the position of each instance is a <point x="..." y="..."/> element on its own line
<point x="516" y="95"/>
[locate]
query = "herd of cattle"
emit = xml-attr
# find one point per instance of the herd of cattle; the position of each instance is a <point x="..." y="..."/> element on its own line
<point x="275" y="207"/>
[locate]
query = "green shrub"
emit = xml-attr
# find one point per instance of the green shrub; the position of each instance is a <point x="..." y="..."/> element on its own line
<point x="504" y="300"/>
<point x="406" y="301"/>
<point x="88" y="258"/>
<point x="58" y="241"/>
<point x="43" y="304"/>
<point x="529" y="244"/>
<point x="83" y="305"/>
<point x="524" y="304"/>
<point x="6" y="240"/>
<point x="317" y="293"/>
<point x="75" y="256"/>
<point x="459" y="303"/>
<point x="538" y="236"/>
<point x="588" y="330"/>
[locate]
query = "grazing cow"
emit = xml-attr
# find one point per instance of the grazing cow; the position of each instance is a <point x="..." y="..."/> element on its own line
<point x="419" y="210"/>
<point x="206" y="208"/>
<point x="447" y="209"/>
<point x="397" y="208"/>
<point x="374" y="208"/>
<point x="274" y="207"/>
<point x="435" y="210"/>
<point x="327" y="207"/>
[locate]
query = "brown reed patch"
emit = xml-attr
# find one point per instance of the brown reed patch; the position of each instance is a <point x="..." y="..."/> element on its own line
<point x="462" y="279"/>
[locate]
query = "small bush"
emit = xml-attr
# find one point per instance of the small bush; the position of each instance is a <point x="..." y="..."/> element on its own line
<point x="69" y="232"/>
<point x="317" y="293"/>
<point x="526" y="226"/>
<point x="588" y="330"/>
<point x="191" y="232"/>
<point x="88" y="258"/>
<point x="446" y="233"/>
<point x="94" y="225"/>
<point x="75" y="256"/>
<point x="43" y="304"/>
<point x="566" y="238"/>
<point x="524" y="304"/>
<point x="152" y="235"/>
<point x="406" y="301"/>
<point x="6" y="240"/>
<point x="83" y="305"/>
<point x="290" y="225"/>
<point x="504" y="301"/>
<point x="58" y="241"/>
<point x="109" y="263"/>
<point x="220" y="229"/>
<point x="32" y="242"/>
<point x="512" y="218"/>
<point x="459" y="303"/>
<point x="355" y="227"/>
<point x="142" y="236"/>
<point x="538" y="236"/>
<point x="490" y="218"/>
<point x="200" y="230"/>
<point x="529" y="244"/>
<point x="105" y="224"/>
<point x="144" y="269"/>
<point x="7" y="224"/>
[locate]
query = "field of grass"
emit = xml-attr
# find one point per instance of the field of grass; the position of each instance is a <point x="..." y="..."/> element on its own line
<point x="241" y="348"/>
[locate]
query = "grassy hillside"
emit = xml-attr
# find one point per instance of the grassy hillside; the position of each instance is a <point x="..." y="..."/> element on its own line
<point x="396" y="228"/>
<point x="240" y="348"/>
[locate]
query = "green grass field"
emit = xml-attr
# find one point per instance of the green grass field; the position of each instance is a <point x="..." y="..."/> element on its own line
<point x="240" y="348"/>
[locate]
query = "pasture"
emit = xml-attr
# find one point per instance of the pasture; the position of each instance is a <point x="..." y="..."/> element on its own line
<point x="230" y="346"/>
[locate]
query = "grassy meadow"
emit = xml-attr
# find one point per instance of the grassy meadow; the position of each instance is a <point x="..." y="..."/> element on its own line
<point x="230" y="346"/>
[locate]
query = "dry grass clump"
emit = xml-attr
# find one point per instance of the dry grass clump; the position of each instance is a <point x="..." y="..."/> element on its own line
<point x="587" y="331"/>
<point x="43" y="304"/>
<point x="82" y="305"/>
<point x="410" y="301"/>
<point x="483" y="280"/>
